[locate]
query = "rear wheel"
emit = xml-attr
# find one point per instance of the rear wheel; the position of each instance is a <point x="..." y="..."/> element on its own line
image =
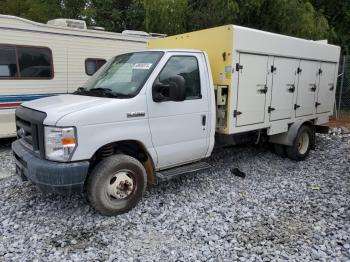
<point x="301" y="145"/>
<point x="116" y="184"/>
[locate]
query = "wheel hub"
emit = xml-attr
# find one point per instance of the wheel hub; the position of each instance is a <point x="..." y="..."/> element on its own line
<point x="121" y="185"/>
<point x="303" y="143"/>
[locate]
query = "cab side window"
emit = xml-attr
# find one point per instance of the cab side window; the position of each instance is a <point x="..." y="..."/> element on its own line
<point x="187" y="67"/>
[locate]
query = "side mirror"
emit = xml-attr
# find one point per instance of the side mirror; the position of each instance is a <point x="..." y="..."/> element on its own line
<point x="171" y="89"/>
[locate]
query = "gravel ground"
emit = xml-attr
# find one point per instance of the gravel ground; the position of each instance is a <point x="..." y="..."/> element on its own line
<point x="281" y="210"/>
<point x="7" y="167"/>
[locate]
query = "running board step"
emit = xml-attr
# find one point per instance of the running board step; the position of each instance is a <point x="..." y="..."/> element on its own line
<point x="168" y="174"/>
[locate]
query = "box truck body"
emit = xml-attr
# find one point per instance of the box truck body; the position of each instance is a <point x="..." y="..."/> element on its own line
<point x="150" y="116"/>
<point x="264" y="80"/>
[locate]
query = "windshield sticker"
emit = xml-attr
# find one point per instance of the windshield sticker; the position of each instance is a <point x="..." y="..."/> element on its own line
<point x="144" y="66"/>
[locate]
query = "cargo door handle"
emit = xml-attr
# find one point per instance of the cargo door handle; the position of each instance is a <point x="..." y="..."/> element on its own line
<point x="236" y="113"/>
<point x="331" y="87"/>
<point x="313" y="87"/>
<point x="204" y="120"/>
<point x="263" y="90"/>
<point x="291" y="88"/>
<point x="270" y="109"/>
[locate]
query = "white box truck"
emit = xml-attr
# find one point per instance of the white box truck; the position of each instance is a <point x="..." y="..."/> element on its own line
<point x="153" y="115"/>
<point x="39" y="60"/>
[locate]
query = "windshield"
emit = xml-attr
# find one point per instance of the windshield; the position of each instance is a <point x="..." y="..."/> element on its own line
<point x="122" y="76"/>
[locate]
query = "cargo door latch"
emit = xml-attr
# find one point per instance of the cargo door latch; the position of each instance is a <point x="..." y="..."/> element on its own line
<point x="238" y="67"/>
<point x="296" y="106"/>
<point x="270" y="109"/>
<point x="236" y="113"/>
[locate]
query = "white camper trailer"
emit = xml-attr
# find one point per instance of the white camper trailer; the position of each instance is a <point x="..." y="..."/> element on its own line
<point x="39" y="60"/>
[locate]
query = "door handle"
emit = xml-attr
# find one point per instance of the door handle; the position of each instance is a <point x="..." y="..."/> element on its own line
<point x="331" y="87"/>
<point x="263" y="90"/>
<point x="204" y="120"/>
<point x="313" y="87"/>
<point x="291" y="88"/>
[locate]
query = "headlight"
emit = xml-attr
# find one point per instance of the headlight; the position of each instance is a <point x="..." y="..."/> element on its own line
<point x="60" y="143"/>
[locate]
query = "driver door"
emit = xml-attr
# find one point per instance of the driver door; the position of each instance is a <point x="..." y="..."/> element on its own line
<point x="180" y="132"/>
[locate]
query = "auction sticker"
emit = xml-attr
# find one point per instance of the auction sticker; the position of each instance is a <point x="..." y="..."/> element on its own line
<point x="144" y="66"/>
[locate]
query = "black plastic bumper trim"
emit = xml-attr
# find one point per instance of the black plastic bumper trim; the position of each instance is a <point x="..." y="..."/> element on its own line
<point x="49" y="176"/>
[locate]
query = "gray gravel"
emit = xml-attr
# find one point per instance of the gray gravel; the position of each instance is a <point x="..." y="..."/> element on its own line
<point x="7" y="167"/>
<point x="281" y="210"/>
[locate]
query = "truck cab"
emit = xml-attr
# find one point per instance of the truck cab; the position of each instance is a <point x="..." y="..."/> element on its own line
<point x="141" y="113"/>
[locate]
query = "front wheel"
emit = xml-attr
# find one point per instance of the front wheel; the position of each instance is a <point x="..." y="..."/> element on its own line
<point x="302" y="144"/>
<point x="116" y="184"/>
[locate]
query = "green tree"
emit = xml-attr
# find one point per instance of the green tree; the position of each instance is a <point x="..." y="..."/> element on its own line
<point x="165" y="16"/>
<point x="295" y="18"/>
<point x="338" y="14"/>
<point x="37" y="10"/>
<point x="113" y="14"/>
<point x="312" y="19"/>
<point x="204" y="14"/>
<point x="73" y="9"/>
<point x="291" y="17"/>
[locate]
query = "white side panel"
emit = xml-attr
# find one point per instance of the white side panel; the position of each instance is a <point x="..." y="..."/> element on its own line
<point x="283" y="88"/>
<point x="252" y="81"/>
<point x="255" y="41"/>
<point x="326" y="88"/>
<point x="312" y="53"/>
<point x="7" y="123"/>
<point x="178" y="133"/>
<point x="307" y="88"/>
<point x="97" y="124"/>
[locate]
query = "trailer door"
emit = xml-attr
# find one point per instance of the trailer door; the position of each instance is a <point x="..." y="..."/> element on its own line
<point x="307" y="88"/>
<point x="283" y="88"/>
<point x="252" y="89"/>
<point x="326" y="88"/>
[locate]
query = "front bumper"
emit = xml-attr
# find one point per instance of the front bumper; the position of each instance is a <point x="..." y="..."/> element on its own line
<point x="49" y="176"/>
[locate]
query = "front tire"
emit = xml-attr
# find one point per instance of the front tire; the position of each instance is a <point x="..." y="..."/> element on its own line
<point x="116" y="185"/>
<point x="301" y="145"/>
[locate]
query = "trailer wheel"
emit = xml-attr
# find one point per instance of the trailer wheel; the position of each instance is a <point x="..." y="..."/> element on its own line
<point x="302" y="144"/>
<point x="280" y="150"/>
<point x="116" y="185"/>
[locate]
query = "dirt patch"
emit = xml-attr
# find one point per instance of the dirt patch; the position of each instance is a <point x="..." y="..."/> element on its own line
<point x="343" y="121"/>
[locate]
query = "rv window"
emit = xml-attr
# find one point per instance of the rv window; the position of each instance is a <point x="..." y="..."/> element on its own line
<point x="92" y="65"/>
<point x="34" y="62"/>
<point x="8" y="64"/>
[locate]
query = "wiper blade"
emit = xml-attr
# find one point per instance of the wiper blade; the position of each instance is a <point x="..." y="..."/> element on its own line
<point x="108" y="92"/>
<point x="101" y="89"/>
<point x="80" y="90"/>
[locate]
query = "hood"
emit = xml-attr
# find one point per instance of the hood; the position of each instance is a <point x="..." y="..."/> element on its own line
<point x="57" y="107"/>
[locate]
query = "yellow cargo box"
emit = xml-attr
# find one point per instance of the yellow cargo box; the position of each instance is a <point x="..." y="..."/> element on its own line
<point x="216" y="42"/>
